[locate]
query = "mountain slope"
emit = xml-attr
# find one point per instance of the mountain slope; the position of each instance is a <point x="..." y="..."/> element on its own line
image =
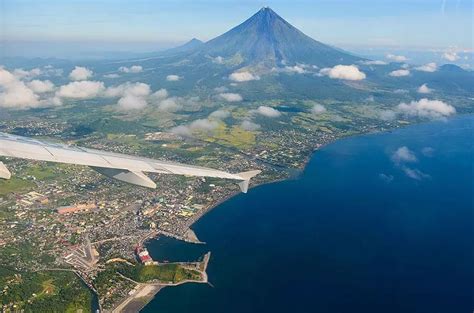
<point x="266" y="38"/>
<point x="189" y="46"/>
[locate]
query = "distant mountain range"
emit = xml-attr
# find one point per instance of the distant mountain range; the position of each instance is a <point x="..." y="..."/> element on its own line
<point x="266" y="39"/>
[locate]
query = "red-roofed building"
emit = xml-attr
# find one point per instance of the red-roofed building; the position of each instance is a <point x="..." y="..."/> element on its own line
<point x="144" y="256"/>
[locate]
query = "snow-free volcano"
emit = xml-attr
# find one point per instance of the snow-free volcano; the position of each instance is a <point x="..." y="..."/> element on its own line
<point x="267" y="39"/>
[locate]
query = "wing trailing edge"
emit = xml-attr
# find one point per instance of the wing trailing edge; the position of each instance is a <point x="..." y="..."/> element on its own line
<point x="134" y="178"/>
<point x="126" y="168"/>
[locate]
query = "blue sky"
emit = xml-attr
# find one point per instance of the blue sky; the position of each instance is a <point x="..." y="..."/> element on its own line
<point x="144" y="25"/>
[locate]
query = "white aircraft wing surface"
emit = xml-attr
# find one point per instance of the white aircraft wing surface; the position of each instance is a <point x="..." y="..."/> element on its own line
<point x="122" y="167"/>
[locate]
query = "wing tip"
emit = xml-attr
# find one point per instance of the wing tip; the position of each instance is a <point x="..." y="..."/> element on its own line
<point x="246" y="176"/>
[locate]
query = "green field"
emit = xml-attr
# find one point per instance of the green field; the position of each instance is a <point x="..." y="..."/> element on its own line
<point x="234" y="136"/>
<point x="42" y="172"/>
<point x="13" y="185"/>
<point x="164" y="272"/>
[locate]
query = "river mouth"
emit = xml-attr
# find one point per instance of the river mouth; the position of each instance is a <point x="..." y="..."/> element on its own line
<point x="358" y="231"/>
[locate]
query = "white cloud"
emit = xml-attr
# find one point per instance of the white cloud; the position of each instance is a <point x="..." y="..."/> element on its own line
<point x="243" y="76"/>
<point x="173" y="78"/>
<point x="318" y="109"/>
<point x="231" y="97"/>
<point x="174" y="104"/>
<point x="170" y="105"/>
<point x="386" y="178"/>
<point x="201" y="125"/>
<point x="80" y="73"/>
<point x="249" y="125"/>
<point x="136" y="89"/>
<point x="113" y="75"/>
<point x="424" y="89"/>
<point x="451" y="56"/>
<point x="131" y="69"/>
<point x="6" y="77"/>
<point x="295" y="69"/>
<point x="414" y="173"/>
<point x="131" y="102"/>
<point x="182" y="130"/>
<point x="374" y="62"/>
<point x="221" y="89"/>
<point x="427" y="151"/>
<point x="160" y="94"/>
<point x="427" y="108"/>
<point x="396" y="58"/>
<point x="399" y="73"/>
<point x="25" y="74"/>
<point x="346" y="72"/>
<point x="133" y="96"/>
<point x="267" y="111"/>
<point x="220" y="114"/>
<point x="403" y="155"/>
<point x="81" y="90"/>
<point x="218" y="60"/>
<point x="41" y="86"/>
<point x="387" y="115"/>
<point x="15" y="94"/>
<point x="430" y="67"/>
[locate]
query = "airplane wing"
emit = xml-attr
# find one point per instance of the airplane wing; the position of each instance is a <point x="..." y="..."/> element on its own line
<point x="122" y="167"/>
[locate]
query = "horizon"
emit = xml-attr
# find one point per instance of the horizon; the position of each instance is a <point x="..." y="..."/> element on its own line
<point x="52" y="29"/>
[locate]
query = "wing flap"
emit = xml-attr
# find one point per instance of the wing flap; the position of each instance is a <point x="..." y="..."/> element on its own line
<point x="134" y="178"/>
<point x="4" y="172"/>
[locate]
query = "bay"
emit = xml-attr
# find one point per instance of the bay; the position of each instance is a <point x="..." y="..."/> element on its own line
<point x="359" y="231"/>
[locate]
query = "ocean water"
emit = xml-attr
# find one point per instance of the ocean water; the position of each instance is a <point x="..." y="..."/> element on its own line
<point x="359" y="231"/>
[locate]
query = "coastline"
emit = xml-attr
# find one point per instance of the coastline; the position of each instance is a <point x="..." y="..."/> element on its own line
<point x="272" y="225"/>
<point x="143" y="293"/>
<point x="300" y="171"/>
<point x="208" y="209"/>
<point x="128" y="304"/>
<point x="134" y="303"/>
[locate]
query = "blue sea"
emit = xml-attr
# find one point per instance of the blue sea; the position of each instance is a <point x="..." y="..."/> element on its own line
<point x="376" y="223"/>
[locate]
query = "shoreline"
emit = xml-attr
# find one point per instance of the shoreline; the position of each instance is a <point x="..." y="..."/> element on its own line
<point x="208" y="209"/>
<point x="300" y="171"/>
<point x="145" y="292"/>
<point x="332" y="163"/>
<point x="198" y="216"/>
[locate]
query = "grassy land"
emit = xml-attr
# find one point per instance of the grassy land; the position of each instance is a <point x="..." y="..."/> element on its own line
<point x="42" y="172"/>
<point x="164" y="272"/>
<point x="14" y="184"/>
<point x="233" y="137"/>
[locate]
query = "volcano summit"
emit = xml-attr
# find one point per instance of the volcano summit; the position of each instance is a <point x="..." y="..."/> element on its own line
<point x="267" y="39"/>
